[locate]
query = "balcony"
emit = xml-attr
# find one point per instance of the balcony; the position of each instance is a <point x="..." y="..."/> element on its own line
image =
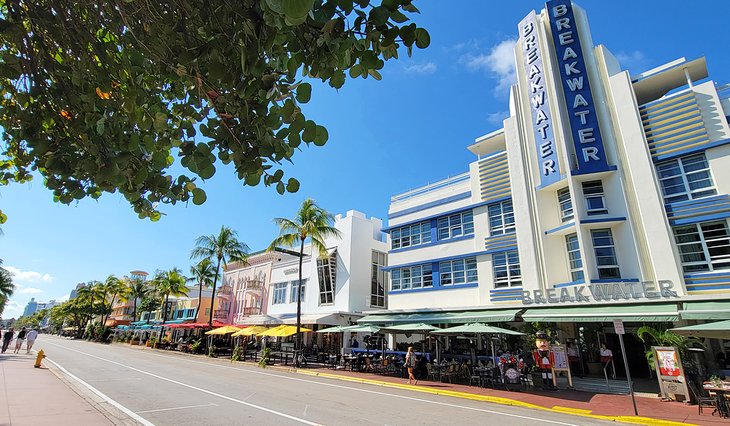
<point x="251" y="311"/>
<point x="220" y="314"/>
<point x="225" y="291"/>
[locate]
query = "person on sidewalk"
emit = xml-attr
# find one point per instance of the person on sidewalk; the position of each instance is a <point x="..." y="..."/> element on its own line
<point x="410" y="365"/>
<point x="31" y="336"/>
<point x="7" y="337"/>
<point x="19" y="340"/>
<point x="574" y="360"/>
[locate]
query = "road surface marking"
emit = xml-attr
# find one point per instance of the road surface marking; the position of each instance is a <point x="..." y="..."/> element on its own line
<point x="97" y="392"/>
<point x="245" y="370"/>
<point x="428" y="401"/>
<point x="177" y="408"/>
<point x="258" y="407"/>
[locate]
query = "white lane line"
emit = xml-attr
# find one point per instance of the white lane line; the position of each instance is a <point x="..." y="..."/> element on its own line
<point x="177" y="408"/>
<point x="258" y="407"/>
<point x="392" y="395"/>
<point x="96" y="391"/>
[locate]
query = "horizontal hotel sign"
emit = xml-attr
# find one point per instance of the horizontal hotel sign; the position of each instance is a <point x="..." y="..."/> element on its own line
<point x="601" y="292"/>
<point x="542" y="122"/>
<point x="579" y="101"/>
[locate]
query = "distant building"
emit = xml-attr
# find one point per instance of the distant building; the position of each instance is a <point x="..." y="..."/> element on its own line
<point x="30" y="308"/>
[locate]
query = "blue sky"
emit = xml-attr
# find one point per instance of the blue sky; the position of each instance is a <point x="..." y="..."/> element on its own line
<point x="386" y="137"/>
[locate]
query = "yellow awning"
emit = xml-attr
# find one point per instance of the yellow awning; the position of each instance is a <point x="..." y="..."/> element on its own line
<point x="223" y="330"/>
<point x="283" y="331"/>
<point x="250" y="331"/>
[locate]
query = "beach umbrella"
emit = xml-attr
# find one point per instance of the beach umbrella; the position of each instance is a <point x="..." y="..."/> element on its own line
<point x="250" y="331"/>
<point x="283" y="331"/>
<point x="223" y="330"/>
<point x="364" y="329"/>
<point x="712" y="330"/>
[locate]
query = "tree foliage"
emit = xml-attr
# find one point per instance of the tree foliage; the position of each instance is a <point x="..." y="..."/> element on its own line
<point x="106" y="96"/>
<point x="6" y="286"/>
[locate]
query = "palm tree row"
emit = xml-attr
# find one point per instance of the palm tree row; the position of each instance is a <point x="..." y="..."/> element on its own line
<point x="6" y="286"/>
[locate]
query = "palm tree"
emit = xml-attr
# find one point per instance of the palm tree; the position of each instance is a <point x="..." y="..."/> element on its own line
<point x="87" y="294"/>
<point x="115" y="287"/>
<point x="202" y="273"/>
<point x="224" y="247"/>
<point x="169" y="283"/>
<point x="311" y="222"/>
<point x="137" y="290"/>
<point x="6" y="286"/>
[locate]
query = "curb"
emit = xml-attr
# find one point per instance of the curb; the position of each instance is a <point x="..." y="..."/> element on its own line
<point x="639" y="420"/>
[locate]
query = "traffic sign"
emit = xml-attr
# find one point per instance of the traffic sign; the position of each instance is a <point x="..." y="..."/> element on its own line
<point x="618" y="325"/>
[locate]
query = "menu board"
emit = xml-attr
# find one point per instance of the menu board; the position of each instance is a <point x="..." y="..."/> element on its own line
<point x="560" y="357"/>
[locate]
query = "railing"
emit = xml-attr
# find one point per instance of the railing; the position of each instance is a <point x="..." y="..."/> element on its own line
<point x="452" y="180"/>
<point x="220" y="314"/>
<point x="251" y="311"/>
<point x="224" y="291"/>
<point x="254" y="285"/>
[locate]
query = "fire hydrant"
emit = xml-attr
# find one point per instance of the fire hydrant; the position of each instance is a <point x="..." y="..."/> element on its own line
<point x="39" y="358"/>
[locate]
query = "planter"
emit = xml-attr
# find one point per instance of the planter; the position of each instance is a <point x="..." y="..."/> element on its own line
<point x="595" y="368"/>
<point x="134" y="342"/>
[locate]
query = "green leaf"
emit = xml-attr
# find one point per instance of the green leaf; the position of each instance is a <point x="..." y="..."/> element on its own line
<point x="310" y="131"/>
<point x="280" y="188"/>
<point x="321" y="136"/>
<point x="160" y="121"/>
<point x="292" y="185"/>
<point x="304" y="93"/>
<point x="295" y="9"/>
<point x="423" y="39"/>
<point x="100" y="126"/>
<point x="252" y="179"/>
<point x="199" y="196"/>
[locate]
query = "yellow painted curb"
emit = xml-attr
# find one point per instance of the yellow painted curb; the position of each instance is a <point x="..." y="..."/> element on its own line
<point x="496" y="400"/>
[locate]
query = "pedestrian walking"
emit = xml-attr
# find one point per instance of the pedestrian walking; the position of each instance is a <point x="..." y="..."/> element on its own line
<point x="7" y="337"/>
<point x="410" y="365"/>
<point x="19" y="339"/>
<point x="31" y="336"/>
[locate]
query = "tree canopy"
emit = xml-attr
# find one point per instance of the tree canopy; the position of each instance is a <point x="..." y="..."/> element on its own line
<point x="107" y="96"/>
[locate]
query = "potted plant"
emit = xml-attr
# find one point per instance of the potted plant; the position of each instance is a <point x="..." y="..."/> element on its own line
<point x="134" y="340"/>
<point x="196" y="346"/>
<point x="151" y="342"/>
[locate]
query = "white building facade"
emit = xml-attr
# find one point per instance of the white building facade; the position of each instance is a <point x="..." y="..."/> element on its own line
<point x="602" y="189"/>
<point x="335" y="289"/>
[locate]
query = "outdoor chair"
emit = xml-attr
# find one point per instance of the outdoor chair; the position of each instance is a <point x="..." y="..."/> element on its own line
<point x="702" y="400"/>
<point x="432" y="372"/>
<point x="474" y="377"/>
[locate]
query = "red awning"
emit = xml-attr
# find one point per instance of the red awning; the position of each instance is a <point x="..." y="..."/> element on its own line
<point x="216" y="324"/>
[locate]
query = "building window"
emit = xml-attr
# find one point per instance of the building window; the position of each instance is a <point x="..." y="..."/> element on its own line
<point x="179" y="313"/>
<point x="566" y="204"/>
<point x="501" y="218"/>
<point x="412" y="235"/>
<point x="459" y="271"/>
<point x="506" y="268"/>
<point x="595" y="199"/>
<point x="327" y="275"/>
<point x="704" y="246"/>
<point x="377" y="280"/>
<point x="574" y="259"/>
<point x="685" y="178"/>
<point x="190" y="313"/>
<point x="279" y="295"/>
<point x="294" y="287"/>
<point x="420" y="276"/>
<point x="605" y="254"/>
<point x="455" y="225"/>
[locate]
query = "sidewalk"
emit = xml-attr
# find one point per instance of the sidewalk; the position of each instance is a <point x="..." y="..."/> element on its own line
<point x="34" y="396"/>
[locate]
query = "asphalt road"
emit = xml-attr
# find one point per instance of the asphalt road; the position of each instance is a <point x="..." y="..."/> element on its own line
<point x="170" y="389"/>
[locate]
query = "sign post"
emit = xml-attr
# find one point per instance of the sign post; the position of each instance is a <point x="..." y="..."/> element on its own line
<point x="618" y="326"/>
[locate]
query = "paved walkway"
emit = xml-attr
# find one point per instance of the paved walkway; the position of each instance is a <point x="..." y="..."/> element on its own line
<point x="35" y="396"/>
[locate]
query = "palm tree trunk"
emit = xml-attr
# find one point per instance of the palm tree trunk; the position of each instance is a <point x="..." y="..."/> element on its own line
<point x="200" y="299"/>
<point x="134" y="310"/>
<point x="111" y="306"/>
<point x="298" y="344"/>
<point x="212" y="296"/>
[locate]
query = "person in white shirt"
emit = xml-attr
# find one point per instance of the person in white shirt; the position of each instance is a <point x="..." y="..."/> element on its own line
<point x="31" y="336"/>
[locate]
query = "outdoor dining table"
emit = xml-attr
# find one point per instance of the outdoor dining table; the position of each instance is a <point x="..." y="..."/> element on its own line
<point x="721" y="407"/>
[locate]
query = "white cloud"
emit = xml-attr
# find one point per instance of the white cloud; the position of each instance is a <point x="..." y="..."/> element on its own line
<point x="12" y="310"/>
<point x="63" y="298"/>
<point x="634" y="61"/>
<point x="30" y="290"/>
<point x="28" y="276"/>
<point x="499" y="63"/>
<point x="497" y="118"/>
<point x="425" y="68"/>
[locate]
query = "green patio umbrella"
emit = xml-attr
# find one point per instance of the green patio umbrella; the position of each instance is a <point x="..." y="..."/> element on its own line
<point x="363" y="329"/>
<point x="477" y="328"/>
<point x="712" y="330"/>
<point x="419" y="327"/>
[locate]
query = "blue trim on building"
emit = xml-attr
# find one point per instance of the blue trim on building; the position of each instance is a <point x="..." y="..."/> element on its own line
<point x="431" y="204"/>
<point x="570" y="284"/>
<point x="547" y="185"/>
<point x="616" y="280"/>
<point x="579" y="173"/>
<point x="432" y="243"/>
<point x="505" y="290"/>
<point x="604" y="219"/>
<point x="692" y="150"/>
<point x="435" y="288"/>
<point x="561" y="227"/>
<point x="446" y="213"/>
<point x="698" y="210"/>
<point x="700" y="275"/>
<point x="716" y="287"/>
<point x="425" y="261"/>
